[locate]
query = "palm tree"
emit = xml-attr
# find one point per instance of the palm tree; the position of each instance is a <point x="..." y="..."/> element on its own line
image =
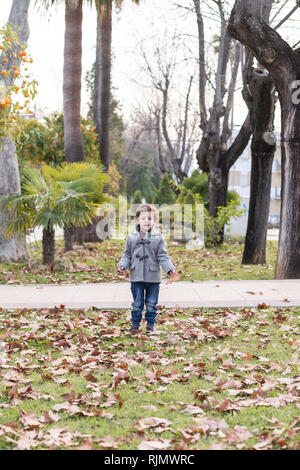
<point x="65" y="196"/>
<point x="102" y="92"/>
<point x="71" y="77"/>
<point x="72" y="81"/>
<point x="76" y="171"/>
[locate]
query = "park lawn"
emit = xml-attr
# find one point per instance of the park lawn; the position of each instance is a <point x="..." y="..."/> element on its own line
<point x="96" y="262"/>
<point x="208" y="379"/>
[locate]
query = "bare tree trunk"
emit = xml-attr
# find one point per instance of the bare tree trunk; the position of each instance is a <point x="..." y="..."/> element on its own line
<point x="69" y="234"/>
<point x="162" y="163"/>
<point x="283" y="64"/>
<point x="183" y="172"/>
<point x="72" y="83"/>
<point x="97" y="83"/>
<point x="72" y="91"/>
<point x="263" y="147"/>
<point x="14" y="248"/>
<point x="165" y="92"/>
<point x="202" y="65"/>
<point x="218" y="185"/>
<point x="19" y="18"/>
<point x="48" y="246"/>
<point x="104" y="61"/>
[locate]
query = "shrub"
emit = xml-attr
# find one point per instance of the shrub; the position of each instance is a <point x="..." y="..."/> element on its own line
<point x="165" y="193"/>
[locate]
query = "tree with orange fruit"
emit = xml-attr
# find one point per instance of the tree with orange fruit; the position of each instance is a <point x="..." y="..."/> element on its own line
<point x="16" y="89"/>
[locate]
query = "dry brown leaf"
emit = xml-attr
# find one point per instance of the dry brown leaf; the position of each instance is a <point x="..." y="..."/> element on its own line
<point x="159" y="444"/>
<point x="152" y="422"/>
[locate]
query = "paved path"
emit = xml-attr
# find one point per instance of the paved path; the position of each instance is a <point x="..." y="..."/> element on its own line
<point x="185" y="294"/>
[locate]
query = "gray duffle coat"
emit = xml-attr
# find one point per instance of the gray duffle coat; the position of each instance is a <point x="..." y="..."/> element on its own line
<point x="144" y="257"/>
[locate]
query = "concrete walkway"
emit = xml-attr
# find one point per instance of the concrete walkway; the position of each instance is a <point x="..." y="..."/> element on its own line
<point x="184" y="294"/>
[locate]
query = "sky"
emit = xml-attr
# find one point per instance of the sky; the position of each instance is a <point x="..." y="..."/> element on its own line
<point x="131" y="26"/>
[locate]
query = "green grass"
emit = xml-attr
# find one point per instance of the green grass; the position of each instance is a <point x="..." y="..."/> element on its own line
<point x="96" y="262"/>
<point x="238" y="367"/>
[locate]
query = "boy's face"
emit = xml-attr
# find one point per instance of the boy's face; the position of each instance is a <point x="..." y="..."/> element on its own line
<point x="146" y="221"/>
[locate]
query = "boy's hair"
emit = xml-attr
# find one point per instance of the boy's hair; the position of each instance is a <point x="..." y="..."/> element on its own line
<point x="147" y="208"/>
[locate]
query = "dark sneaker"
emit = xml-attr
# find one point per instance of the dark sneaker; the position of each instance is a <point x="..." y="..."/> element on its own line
<point x="134" y="329"/>
<point x="149" y="329"/>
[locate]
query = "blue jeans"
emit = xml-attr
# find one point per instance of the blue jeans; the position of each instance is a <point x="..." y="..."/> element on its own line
<point x="144" y="293"/>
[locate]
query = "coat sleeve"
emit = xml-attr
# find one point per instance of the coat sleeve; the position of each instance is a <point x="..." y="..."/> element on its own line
<point x="125" y="261"/>
<point x="162" y="256"/>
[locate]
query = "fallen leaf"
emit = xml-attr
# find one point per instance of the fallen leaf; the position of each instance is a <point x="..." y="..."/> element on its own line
<point x="159" y="444"/>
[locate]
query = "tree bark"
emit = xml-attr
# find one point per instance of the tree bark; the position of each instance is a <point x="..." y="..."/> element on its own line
<point x="69" y="234"/>
<point x="283" y="63"/>
<point x="72" y="83"/>
<point x="97" y="83"/>
<point x="14" y="248"/>
<point x="218" y="185"/>
<point x="104" y="62"/>
<point x="48" y="246"/>
<point x="19" y="18"/>
<point x="88" y="233"/>
<point x="202" y="65"/>
<point x="262" y="153"/>
<point x="162" y="164"/>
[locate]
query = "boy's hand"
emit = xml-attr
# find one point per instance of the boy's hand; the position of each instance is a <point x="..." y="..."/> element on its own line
<point x="173" y="276"/>
<point x="121" y="269"/>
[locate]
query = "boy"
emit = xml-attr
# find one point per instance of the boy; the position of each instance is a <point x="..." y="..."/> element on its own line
<point x="145" y="251"/>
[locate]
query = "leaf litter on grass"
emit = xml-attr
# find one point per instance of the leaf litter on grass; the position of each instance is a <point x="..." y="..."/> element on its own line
<point x="96" y="262"/>
<point x="213" y="378"/>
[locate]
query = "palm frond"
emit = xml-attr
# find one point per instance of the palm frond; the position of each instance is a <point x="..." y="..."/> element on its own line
<point x="84" y="185"/>
<point x="19" y="223"/>
<point x="49" y="218"/>
<point x="20" y="211"/>
<point x="33" y="182"/>
<point x="50" y="172"/>
<point x="73" y="171"/>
